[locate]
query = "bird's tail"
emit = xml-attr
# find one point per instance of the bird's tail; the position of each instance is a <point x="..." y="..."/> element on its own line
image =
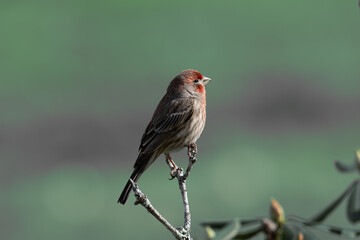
<point x="127" y="189"/>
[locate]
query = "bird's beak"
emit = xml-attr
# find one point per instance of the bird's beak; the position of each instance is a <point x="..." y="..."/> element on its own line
<point x="205" y="80"/>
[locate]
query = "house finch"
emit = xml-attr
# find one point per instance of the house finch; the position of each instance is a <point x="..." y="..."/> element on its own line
<point x="178" y="121"/>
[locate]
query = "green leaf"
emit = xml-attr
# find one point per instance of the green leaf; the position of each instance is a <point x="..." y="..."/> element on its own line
<point x="353" y="208"/>
<point x="218" y="229"/>
<point x="249" y="234"/>
<point x="229" y="231"/>
<point x="221" y="224"/>
<point x="215" y="225"/>
<point x="210" y="232"/>
<point x="329" y="209"/>
<point x="345" y="168"/>
<point x="291" y="232"/>
<point x="249" y="221"/>
<point x="308" y="235"/>
<point x="288" y="232"/>
<point x="343" y="232"/>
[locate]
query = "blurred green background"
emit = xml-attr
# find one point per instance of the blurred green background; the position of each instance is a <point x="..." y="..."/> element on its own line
<point x="80" y="80"/>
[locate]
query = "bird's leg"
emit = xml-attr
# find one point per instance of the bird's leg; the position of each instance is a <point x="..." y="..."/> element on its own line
<point x="192" y="151"/>
<point x="172" y="165"/>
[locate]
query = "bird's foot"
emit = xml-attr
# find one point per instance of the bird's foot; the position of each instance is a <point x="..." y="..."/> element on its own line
<point x="173" y="172"/>
<point x="192" y="151"/>
<point x="185" y="233"/>
<point x="174" y="168"/>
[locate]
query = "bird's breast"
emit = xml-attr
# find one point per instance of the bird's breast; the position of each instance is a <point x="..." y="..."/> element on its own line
<point x="193" y="128"/>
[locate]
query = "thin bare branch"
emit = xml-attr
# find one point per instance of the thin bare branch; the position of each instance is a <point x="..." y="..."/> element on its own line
<point x="182" y="233"/>
<point x="142" y="199"/>
<point x="179" y="174"/>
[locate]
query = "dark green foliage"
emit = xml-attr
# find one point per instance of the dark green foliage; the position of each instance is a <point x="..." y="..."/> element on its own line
<point x="222" y="224"/>
<point x="280" y="228"/>
<point x="291" y="231"/>
<point x="249" y="234"/>
<point x="329" y="209"/>
<point x="231" y="229"/>
<point x="277" y="228"/>
<point x="353" y="208"/>
<point x="345" y="168"/>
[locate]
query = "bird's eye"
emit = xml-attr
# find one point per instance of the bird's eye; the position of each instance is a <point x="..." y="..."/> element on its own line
<point x="196" y="80"/>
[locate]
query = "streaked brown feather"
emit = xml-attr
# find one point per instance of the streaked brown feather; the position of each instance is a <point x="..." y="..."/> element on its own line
<point x="165" y="126"/>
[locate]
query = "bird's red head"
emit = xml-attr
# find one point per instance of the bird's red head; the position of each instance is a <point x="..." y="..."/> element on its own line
<point x="189" y="81"/>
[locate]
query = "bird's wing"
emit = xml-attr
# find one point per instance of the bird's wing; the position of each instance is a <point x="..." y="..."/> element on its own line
<point x="167" y="119"/>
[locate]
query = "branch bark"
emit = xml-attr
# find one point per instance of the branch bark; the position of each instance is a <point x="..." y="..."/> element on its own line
<point x="142" y="199"/>
<point x="183" y="232"/>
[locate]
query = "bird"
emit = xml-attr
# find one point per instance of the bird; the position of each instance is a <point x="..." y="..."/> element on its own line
<point x="177" y="123"/>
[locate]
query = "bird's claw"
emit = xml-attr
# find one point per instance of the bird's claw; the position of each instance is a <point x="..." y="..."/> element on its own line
<point x="172" y="177"/>
<point x="192" y="150"/>
<point x="182" y="230"/>
<point x="173" y="172"/>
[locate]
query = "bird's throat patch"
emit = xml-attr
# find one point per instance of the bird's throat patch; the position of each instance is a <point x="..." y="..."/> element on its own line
<point x="200" y="88"/>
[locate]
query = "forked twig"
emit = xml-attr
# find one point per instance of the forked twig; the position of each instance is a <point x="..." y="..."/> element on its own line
<point x="181" y="233"/>
<point x="142" y="199"/>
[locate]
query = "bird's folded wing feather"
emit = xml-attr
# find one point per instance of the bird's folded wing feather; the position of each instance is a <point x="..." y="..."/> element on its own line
<point x="166" y="122"/>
